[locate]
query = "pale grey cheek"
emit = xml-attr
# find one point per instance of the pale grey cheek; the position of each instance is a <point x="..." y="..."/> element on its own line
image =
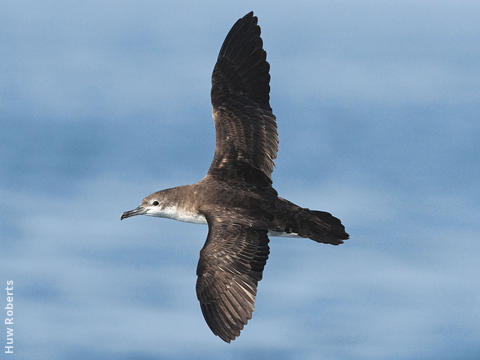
<point x="154" y="212"/>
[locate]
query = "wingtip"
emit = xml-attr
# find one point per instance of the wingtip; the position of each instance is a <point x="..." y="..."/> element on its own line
<point x="227" y="340"/>
<point x="251" y="16"/>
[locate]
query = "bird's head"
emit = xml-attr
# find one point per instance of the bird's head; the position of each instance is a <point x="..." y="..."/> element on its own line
<point x="153" y="205"/>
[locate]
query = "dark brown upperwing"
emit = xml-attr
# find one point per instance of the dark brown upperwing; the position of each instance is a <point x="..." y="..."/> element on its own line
<point x="247" y="140"/>
<point x="230" y="266"/>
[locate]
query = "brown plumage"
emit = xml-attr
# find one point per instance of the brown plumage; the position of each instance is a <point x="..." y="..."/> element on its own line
<point x="236" y="198"/>
<point x="246" y="128"/>
<point x="230" y="266"/>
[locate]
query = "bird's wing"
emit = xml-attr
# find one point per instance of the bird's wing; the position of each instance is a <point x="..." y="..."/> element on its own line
<point x="246" y="141"/>
<point x="230" y="266"/>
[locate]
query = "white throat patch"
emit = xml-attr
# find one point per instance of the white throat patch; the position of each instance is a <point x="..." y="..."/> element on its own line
<point x="173" y="212"/>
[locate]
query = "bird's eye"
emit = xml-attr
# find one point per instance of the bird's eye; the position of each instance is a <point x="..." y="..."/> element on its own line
<point x="155" y="203"/>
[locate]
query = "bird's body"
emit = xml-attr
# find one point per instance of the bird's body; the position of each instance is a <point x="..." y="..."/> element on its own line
<point x="190" y="203"/>
<point x="236" y="198"/>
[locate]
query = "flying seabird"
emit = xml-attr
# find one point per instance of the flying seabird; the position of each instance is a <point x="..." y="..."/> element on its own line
<point x="236" y="198"/>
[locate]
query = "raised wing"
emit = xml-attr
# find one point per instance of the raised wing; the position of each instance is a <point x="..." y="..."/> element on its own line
<point x="247" y="140"/>
<point x="230" y="266"/>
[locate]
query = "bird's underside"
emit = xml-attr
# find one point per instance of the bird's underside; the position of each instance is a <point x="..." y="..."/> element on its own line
<point x="236" y="198"/>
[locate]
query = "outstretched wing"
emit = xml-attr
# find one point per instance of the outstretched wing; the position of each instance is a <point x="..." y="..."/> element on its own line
<point x="247" y="141"/>
<point x="230" y="266"/>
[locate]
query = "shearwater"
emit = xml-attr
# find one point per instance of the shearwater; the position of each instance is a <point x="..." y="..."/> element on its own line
<point x="236" y="198"/>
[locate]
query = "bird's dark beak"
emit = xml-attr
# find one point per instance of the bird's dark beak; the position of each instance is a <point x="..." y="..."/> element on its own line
<point x="138" y="211"/>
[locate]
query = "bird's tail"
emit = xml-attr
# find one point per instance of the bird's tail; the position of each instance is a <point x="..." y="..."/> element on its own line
<point x="319" y="226"/>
